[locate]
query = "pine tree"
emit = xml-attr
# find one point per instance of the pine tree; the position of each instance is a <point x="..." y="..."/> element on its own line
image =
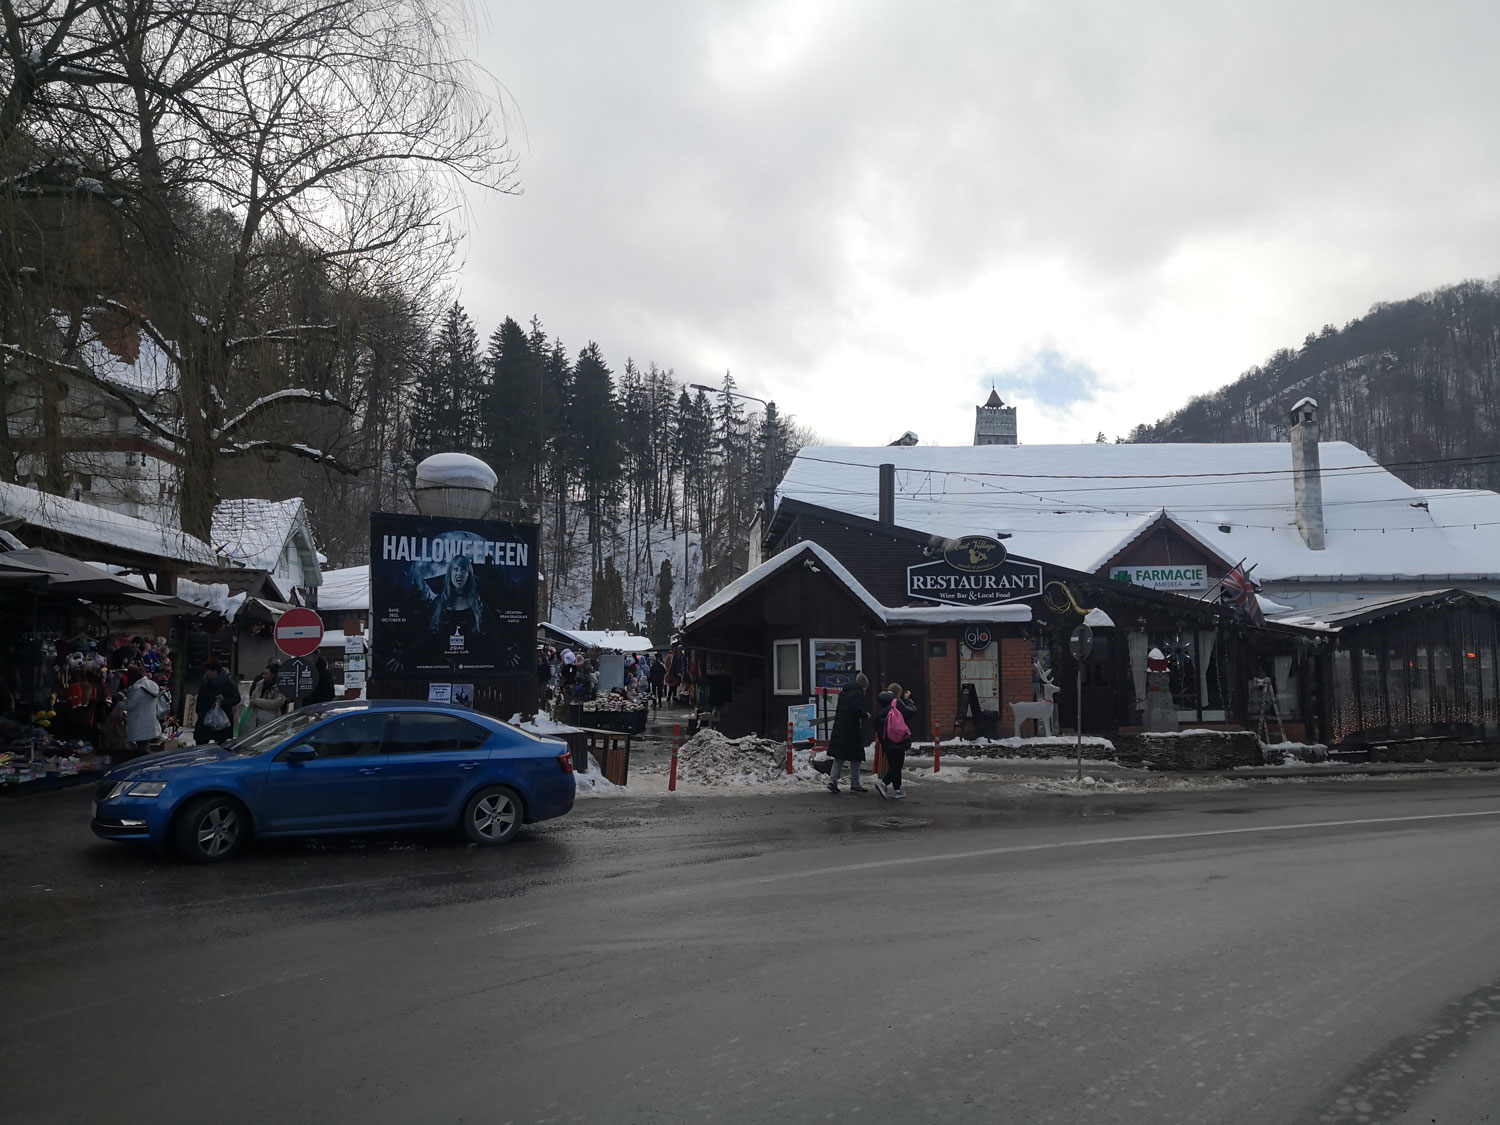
<point x="515" y="419"/>
<point x="661" y="619"/>
<point x="594" y="422"/>
<point x="447" y="411"/>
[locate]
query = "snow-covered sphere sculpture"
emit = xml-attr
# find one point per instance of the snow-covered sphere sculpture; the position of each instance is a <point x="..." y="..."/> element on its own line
<point x="455" y="486"/>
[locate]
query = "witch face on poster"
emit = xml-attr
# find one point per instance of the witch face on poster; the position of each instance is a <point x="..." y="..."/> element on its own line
<point x="457" y="605"/>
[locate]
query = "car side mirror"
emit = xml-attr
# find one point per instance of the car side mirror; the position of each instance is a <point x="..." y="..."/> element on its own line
<point x="302" y="753"/>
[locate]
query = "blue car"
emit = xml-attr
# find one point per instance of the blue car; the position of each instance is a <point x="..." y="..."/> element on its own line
<point x="361" y="766"/>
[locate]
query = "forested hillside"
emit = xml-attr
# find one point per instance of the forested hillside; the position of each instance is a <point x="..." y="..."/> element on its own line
<point x="1414" y="383"/>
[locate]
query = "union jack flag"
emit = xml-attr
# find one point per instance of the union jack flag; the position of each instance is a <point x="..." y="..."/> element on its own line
<point x="1237" y="589"/>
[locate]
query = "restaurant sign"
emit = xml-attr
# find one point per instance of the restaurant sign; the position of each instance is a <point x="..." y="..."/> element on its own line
<point x="974" y="570"/>
<point x="1163" y="577"/>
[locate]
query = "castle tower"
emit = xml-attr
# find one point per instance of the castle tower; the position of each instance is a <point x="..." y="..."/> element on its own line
<point x="994" y="422"/>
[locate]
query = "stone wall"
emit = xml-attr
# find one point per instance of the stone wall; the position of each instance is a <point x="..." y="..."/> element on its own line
<point x="1434" y="750"/>
<point x="1189" y="750"/>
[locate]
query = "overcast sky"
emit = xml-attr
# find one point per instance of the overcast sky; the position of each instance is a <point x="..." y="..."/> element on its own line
<point x="869" y="212"/>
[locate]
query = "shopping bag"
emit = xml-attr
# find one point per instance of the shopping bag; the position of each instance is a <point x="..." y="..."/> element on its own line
<point x="216" y="719"/>
<point x="246" y="721"/>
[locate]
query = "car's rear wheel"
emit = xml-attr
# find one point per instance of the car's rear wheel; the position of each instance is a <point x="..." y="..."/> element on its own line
<point x="211" y="828"/>
<point x="493" y="815"/>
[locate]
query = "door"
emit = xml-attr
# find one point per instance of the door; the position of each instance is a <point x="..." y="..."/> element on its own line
<point x="906" y="664"/>
<point x="337" y="789"/>
<point x="431" y="763"/>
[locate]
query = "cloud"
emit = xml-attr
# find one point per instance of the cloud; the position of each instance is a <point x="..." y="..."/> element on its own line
<point x="858" y="205"/>
<point x="1048" y="378"/>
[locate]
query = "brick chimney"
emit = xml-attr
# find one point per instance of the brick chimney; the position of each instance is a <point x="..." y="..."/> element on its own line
<point x="1307" y="475"/>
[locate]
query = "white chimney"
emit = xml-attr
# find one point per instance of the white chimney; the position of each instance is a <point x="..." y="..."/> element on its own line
<point x="1307" y="475"/>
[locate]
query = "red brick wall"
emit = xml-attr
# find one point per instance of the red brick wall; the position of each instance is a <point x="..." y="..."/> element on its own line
<point x="1015" y="679"/>
<point x="942" y="689"/>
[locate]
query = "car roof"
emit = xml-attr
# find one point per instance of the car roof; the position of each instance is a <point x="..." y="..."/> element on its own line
<point x="345" y="706"/>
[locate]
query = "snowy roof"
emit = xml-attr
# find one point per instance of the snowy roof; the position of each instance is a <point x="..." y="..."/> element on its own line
<point x="909" y="615"/>
<point x="347" y="588"/>
<point x="1333" y="616"/>
<point x="616" y="640"/>
<point x="750" y="579"/>
<point x="98" y="525"/>
<point x="1079" y="505"/>
<point x="149" y="373"/>
<point x="254" y="532"/>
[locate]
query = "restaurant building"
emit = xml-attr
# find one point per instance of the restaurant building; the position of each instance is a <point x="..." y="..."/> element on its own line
<point x="961" y="571"/>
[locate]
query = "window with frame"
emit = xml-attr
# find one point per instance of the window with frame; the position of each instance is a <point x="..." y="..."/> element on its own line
<point x="786" y="667"/>
<point x="356" y="736"/>
<point x="427" y="733"/>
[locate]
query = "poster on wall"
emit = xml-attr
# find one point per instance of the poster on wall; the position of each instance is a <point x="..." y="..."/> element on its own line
<point x="451" y="597"/>
<point x="835" y="663"/>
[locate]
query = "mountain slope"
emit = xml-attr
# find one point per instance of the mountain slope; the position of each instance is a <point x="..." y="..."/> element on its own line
<point x="1411" y="381"/>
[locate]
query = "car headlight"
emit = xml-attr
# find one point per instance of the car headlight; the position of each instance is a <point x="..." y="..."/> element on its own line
<point x="117" y="791"/>
<point x="147" y="788"/>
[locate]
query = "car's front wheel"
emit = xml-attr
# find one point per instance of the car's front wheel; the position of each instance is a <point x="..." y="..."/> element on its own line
<point x="493" y="815"/>
<point x="211" y="828"/>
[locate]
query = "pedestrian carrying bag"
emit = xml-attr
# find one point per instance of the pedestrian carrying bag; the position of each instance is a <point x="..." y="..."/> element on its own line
<point x="216" y="719"/>
<point x="896" y="729"/>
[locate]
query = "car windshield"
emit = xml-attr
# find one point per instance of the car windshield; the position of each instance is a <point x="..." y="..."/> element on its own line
<point x="273" y="734"/>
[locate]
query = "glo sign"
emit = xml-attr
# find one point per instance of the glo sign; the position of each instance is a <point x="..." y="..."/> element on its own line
<point x="974" y="570"/>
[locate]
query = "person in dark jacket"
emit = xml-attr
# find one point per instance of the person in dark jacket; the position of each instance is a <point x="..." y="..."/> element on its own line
<point x="218" y="687"/>
<point x="894" y="746"/>
<point x="322" y="689"/>
<point x="658" y="680"/>
<point x="846" y="743"/>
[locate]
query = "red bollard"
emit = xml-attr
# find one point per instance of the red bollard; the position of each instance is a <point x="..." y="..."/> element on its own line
<point x="789" y="748"/>
<point x="676" y="738"/>
<point x="937" y="747"/>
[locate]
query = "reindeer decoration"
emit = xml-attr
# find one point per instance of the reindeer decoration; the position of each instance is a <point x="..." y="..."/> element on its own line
<point x="1043" y="710"/>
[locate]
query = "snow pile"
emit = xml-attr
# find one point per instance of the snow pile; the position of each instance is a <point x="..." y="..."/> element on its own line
<point x="709" y="758"/>
<point x="592" y="783"/>
<point x="1293" y="753"/>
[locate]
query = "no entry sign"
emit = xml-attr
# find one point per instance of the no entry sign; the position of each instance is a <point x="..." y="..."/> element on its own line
<point x="298" y="632"/>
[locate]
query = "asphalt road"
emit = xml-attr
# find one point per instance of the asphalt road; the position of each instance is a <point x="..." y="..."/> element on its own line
<point x="1269" y="953"/>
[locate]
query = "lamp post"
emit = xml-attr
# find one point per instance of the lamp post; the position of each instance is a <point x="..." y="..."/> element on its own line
<point x="766" y="426"/>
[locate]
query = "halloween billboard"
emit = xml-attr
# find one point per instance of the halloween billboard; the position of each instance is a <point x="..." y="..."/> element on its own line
<point x="451" y="597"/>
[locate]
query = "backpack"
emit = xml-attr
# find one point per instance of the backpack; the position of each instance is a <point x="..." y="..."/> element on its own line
<point x="896" y="729"/>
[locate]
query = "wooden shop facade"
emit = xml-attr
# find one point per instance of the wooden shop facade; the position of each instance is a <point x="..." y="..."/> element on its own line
<point x="966" y="626"/>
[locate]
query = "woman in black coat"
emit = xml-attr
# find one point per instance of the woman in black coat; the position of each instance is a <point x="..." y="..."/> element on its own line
<point x="846" y="743"/>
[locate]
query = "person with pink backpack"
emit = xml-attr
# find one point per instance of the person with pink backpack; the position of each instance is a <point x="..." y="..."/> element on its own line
<point x="894" y="717"/>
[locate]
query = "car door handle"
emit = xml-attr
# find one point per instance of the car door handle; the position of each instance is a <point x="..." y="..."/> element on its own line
<point x="467" y="765"/>
<point x="367" y="770"/>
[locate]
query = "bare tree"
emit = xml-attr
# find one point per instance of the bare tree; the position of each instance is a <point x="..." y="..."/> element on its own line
<point x="243" y="145"/>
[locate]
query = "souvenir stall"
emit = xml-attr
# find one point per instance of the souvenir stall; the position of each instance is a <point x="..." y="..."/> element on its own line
<point x="75" y="641"/>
